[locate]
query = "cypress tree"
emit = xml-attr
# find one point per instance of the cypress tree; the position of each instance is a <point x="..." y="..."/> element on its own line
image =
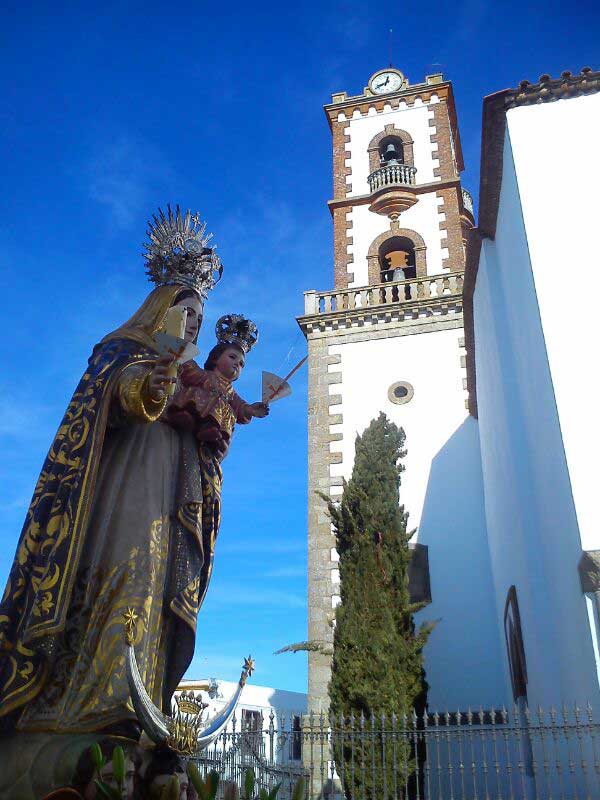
<point x="377" y="665"/>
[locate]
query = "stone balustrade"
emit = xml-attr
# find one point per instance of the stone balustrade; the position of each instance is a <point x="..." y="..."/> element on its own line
<point x="392" y="175"/>
<point x="392" y="293"/>
<point x="467" y="201"/>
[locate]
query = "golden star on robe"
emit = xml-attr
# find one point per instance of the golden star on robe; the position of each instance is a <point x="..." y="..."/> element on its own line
<point x="130" y="618"/>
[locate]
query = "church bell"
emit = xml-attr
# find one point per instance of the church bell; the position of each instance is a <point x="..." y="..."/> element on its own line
<point x="391" y="154"/>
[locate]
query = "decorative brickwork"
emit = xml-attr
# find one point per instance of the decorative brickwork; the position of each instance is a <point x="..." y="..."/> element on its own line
<point x="442" y="138"/>
<point x="341" y="188"/>
<point x="396" y="230"/>
<point x="340" y="169"/>
<point x="341" y="241"/>
<point x="321" y="540"/>
<point x="452" y="230"/>
<point x="390" y="130"/>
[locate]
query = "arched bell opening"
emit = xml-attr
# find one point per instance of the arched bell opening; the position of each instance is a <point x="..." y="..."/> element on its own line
<point x="397" y="259"/>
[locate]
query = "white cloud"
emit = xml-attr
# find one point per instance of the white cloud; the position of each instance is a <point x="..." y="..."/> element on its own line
<point x="286" y="572"/>
<point x="125" y="175"/>
<point x="227" y="595"/>
<point x="262" y="546"/>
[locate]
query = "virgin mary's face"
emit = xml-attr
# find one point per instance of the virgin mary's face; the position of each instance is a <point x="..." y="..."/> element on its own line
<point x="194" y="316"/>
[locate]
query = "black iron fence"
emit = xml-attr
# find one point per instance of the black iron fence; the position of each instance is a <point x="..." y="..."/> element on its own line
<point x="487" y="754"/>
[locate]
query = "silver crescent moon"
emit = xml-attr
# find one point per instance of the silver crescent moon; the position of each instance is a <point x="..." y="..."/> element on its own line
<point x="158" y="725"/>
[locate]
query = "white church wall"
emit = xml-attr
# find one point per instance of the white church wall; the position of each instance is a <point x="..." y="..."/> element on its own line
<point x="558" y="188"/>
<point x="431" y="363"/>
<point x="531" y="523"/>
<point x="463" y="657"/>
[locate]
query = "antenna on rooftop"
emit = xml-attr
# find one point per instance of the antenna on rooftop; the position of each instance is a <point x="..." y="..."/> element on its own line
<point x="390" y="45"/>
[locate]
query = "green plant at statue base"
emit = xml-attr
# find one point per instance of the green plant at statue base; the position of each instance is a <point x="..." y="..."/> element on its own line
<point x="377" y="665"/>
<point x="206" y="788"/>
<point x="232" y="792"/>
<point x="118" y="765"/>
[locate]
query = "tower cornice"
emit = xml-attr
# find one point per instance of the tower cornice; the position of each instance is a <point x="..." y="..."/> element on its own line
<point x="365" y="199"/>
<point x="433" y="84"/>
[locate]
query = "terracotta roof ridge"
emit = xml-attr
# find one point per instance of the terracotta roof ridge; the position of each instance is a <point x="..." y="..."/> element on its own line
<point x="548" y="88"/>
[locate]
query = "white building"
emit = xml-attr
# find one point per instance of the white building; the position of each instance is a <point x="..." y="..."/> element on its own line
<point x="389" y="337"/>
<point x="265" y="732"/>
<point x="502" y="490"/>
<point x="532" y="336"/>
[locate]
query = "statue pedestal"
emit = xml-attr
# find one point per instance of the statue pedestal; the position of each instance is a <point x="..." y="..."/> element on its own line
<point x="33" y="764"/>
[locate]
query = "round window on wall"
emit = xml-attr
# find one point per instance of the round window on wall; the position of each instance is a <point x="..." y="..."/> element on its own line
<point x="400" y="392"/>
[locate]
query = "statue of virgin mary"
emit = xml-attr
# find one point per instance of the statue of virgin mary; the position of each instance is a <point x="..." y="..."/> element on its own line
<point x="124" y="515"/>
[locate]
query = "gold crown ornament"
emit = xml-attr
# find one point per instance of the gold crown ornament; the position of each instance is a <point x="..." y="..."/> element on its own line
<point x="235" y="329"/>
<point x="190" y="703"/>
<point x="177" y="252"/>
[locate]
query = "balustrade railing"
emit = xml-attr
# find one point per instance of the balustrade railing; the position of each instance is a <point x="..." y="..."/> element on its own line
<point x="467" y="201"/>
<point x="392" y="175"/>
<point x="488" y="754"/>
<point x="429" y="287"/>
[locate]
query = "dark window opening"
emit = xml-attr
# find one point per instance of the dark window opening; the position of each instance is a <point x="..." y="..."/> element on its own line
<point x="514" y="645"/>
<point x="296" y="742"/>
<point x="391" y="151"/>
<point x="251" y="744"/>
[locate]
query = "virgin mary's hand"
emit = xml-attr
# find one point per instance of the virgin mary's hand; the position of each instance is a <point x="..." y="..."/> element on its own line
<point x="159" y="379"/>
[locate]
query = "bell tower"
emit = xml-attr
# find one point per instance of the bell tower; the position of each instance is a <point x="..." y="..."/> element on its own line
<point x="388" y="336"/>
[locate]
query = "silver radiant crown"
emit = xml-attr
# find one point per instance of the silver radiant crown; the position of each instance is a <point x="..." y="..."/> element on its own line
<point x="177" y="252"/>
<point x="237" y="330"/>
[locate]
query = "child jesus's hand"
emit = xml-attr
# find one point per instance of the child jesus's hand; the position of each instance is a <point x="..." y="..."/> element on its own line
<point x="260" y="410"/>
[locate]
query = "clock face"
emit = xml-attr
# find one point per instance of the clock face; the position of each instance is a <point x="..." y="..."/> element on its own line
<point x="386" y="82"/>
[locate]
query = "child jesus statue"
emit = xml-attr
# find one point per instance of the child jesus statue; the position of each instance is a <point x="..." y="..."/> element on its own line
<point x="205" y="401"/>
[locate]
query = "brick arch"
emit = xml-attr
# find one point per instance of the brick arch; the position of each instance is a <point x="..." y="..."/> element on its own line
<point x="396" y="230"/>
<point x="390" y="130"/>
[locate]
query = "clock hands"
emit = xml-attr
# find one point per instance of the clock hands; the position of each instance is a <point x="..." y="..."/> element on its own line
<point x="385" y="83"/>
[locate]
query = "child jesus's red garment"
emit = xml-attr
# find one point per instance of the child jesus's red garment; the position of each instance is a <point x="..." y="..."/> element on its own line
<point x="210" y="413"/>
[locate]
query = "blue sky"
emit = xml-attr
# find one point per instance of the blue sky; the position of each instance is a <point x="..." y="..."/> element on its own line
<point x="112" y="109"/>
